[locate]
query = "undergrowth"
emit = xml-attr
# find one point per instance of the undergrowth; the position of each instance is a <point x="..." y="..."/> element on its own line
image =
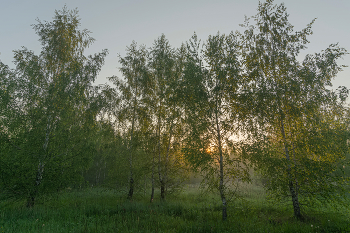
<point x="103" y="210"/>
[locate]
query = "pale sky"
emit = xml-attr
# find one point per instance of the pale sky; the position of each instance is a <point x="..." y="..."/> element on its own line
<point x="116" y="23"/>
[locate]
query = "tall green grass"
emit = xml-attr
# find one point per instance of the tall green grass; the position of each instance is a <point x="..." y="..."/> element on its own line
<point x="103" y="210"/>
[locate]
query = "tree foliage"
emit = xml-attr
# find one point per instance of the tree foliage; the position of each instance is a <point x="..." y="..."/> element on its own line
<point x="210" y="114"/>
<point x="131" y="110"/>
<point x="56" y="109"/>
<point x="298" y="124"/>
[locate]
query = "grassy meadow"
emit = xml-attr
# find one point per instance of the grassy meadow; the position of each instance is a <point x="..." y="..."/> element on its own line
<point x="105" y="210"/>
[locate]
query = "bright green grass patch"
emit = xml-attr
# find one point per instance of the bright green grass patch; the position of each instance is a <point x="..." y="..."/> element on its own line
<point x="100" y="210"/>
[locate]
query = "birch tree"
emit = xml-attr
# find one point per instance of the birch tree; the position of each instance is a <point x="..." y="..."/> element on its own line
<point x="55" y="98"/>
<point x="132" y="110"/>
<point x="212" y="84"/>
<point x="292" y="111"/>
<point x="166" y="71"/>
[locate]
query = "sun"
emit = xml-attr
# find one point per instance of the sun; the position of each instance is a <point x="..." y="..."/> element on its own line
<point x="210" y="149"/>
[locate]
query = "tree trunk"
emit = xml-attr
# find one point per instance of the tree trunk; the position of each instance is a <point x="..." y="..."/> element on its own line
<point x="160" y="172"/>
<point x="164" y="181"/>
<point x="104" y="172"/>
<point x="131" y="179"/>
<point x="162" y="190"/>
<point x="39" y="174"/>
<point x="131" y="188"/>
<point x="295" y="172"/>
<point x="221" y="164"/>
<point x="292" y="188"/>
<point x="295" y="201"/>
<point x="152" y="192"/>
<point x="97" y="175"/>
<point x="131" y="144"/>
<point x="33" y="193"/>
<point x="144" y="185"/>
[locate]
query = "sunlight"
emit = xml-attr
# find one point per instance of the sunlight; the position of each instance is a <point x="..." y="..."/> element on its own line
<point x="211" y="148"/>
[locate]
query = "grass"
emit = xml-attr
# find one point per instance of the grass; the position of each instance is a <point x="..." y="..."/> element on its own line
<point x="101" y="210"/>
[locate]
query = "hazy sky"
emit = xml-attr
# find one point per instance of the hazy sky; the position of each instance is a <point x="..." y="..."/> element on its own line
<point x="115" y="24"/>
